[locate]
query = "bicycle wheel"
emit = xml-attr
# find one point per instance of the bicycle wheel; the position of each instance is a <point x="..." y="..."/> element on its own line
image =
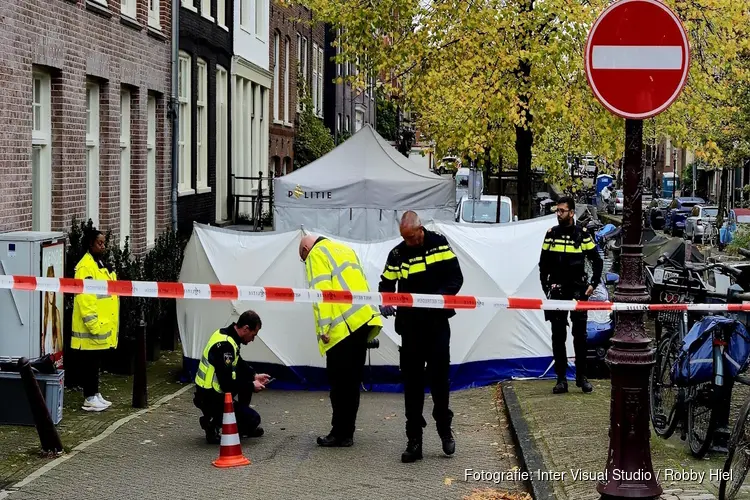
<point x="663" y="394"/>
<point x="738" y="456"/>
<point x="701" y="420"/>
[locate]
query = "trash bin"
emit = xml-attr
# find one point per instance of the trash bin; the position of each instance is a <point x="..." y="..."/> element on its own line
<point x="15" y="409"/>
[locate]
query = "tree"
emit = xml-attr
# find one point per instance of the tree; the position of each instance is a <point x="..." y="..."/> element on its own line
<point x="312" y="139"/>
<point x="386" y="117"/>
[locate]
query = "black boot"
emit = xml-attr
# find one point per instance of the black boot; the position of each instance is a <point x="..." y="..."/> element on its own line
<point x="257" y="432"/>
<point x="331" y="441"/>
<point x="413" y="451"/>
<point x="449" y="442"/>
<point x="561" y="387"/>
<point x="213" y="433"/>
<point x="584" y="384"/>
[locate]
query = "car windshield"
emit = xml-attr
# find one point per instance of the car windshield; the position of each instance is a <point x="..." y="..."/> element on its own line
<point x="485" y="211"/>
<point x="686" y="206"/>
<point x="462" y="181"/>
<point x="710" y="212"/>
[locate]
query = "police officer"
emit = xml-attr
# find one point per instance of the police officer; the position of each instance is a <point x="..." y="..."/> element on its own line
<point x="563" y="275"/>
<point x="222" y="370"/>
<point x="423" y="263"/>
<point x="343" y="330"/>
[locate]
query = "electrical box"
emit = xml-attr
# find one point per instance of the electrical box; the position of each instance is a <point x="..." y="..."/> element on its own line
<point x="32" y="322"/>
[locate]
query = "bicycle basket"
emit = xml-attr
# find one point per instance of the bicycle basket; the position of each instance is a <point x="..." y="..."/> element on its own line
<point x="694" y="364"/>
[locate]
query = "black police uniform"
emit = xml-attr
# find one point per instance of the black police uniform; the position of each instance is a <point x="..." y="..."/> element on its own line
<point x="563" y="275"/>
<point x="211" y="403"/>
<point x="431" y="268"/>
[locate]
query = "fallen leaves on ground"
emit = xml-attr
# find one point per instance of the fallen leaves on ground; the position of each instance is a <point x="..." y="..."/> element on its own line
<point x="448" y="481"/>
<point x="492" y="494"/>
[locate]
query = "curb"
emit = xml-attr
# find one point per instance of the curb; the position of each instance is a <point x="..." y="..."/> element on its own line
<point x="82" y="446"/>
<point x="530" y="457"/>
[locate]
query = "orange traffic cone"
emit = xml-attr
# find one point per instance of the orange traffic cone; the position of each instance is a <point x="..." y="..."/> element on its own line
<point x="230" y="453"/>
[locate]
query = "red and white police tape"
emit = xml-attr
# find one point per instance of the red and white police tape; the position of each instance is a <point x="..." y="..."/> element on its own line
<point x="164" y="290"/>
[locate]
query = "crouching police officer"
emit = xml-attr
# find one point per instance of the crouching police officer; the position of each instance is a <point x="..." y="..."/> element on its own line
<point x="563" y="275"/>
<point x="222" y="370"/>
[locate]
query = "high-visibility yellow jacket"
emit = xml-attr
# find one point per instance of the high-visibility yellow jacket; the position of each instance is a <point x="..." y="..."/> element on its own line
<point x="205" y="377"/>
<point x="335" y="266"/>
<point x="96" y="318"/>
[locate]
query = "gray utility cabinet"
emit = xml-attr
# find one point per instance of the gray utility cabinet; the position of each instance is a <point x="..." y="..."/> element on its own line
<point x="31" y="323"/>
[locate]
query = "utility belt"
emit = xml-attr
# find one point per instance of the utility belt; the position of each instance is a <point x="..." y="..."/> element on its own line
<point x="575" y="290"/>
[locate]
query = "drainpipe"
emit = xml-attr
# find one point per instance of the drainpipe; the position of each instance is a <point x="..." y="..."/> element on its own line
<point x="174" y="106"/>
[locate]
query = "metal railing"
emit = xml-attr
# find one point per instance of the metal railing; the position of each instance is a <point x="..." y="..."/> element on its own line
<point x="257" y="198"/>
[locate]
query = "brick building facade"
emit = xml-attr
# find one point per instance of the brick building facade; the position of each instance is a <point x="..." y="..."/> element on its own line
<point x="204" y="99"/>
<point x="297" y="48"/>
<point x="83" y="120"/>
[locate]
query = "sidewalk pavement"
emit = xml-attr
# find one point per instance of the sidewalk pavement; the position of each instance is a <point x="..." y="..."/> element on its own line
<point x="565" y="433"/>
<point x="162" y="454"/>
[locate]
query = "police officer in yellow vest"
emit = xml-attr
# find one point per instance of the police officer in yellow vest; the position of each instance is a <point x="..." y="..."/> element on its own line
<point x="96" y="320"/>
<point x="221" y="370"/>
<point x="343" y="330"/>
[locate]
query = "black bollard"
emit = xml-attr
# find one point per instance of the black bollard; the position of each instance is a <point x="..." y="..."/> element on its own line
<point x="140" y="389"/>
<point x="48" y="436"/>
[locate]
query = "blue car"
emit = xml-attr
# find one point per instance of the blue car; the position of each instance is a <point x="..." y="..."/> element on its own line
<point x="677" y="213"/>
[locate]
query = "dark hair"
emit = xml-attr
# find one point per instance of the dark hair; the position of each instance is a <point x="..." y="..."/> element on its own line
<point x="90" y="236"/>
<point x="250" y="319"/>
<point x="568" y="201"/>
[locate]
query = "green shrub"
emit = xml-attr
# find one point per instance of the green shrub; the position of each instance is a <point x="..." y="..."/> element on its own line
<point x="741" y="240"/>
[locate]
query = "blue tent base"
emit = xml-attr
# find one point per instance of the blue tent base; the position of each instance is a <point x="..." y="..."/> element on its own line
<point x="388" y="378"/>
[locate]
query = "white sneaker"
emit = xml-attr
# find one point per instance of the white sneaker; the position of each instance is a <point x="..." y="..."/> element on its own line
<point x="102" y="400"/>
<point x="93" y="404"/>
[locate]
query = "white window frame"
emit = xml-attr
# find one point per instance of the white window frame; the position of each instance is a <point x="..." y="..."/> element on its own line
<point x="41" y="147"/>
<point x="287" y="82"/>
<point x="221" y="14"/>
<point x="151" y="171"/>
<point x="222" y="141"/>
<point x="92" y="152"/>
<point x="314" y="90"/>
<point x="201" y="117"/>
<point x="276" y="76"/>
<point x="260" y="15"/>
<point x="338" y="51"/>
<point x="185" y="171"/>
<point x="189" y="5"/>
<point x="125" y="140"/>
<point x="245" y="9"/>
<point x="128" y="8"/>
<point x="321" y="66"/>
<point x="206" y="10"/>
<point x="154" y="14"/>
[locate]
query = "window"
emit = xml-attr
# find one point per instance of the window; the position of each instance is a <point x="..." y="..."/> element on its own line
<point x="185" y="182"/>
<point x="245" y="14"/>
<point x="320" y="82"/>
<point x="206" y="9"/>
<point x="276" y="86"/>
<point x="154" y="10"/>
<point x="359" y="120"/>
<point x="127" y="8"/>
<point x="92" y="152"/>
<point x="222" y="171"/>
<point x="348" y="123"/>
<point x="189" y="4"/>
<point x="260" y="11"/>
<point x="201" y="142"/>
<point x="315" y="78"/>
<point x="338" y="51"/>
<point x="124" y="165"/>
<point x="287" y="101"/>
<point x="338" y="123"/>
<point x="41" y="152"/>
<point x="151" y="172"/>
<point x="221" y="13"/>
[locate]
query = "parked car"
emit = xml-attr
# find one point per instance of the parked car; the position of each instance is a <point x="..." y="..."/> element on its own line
<point x="700" y="217"/>
<point x="616" y="202"/>
<point x="462" y="182"/>
<point x="448" y="165"/>
<point x="483" y="210"/>
<point x="678" y="212"/>
<point x="656" y="212"/>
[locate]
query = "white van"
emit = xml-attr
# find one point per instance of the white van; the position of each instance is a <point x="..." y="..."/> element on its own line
<point x="483" y="210"/>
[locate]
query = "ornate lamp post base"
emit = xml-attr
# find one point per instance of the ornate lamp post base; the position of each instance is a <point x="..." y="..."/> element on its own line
<point x="630" y="473"/>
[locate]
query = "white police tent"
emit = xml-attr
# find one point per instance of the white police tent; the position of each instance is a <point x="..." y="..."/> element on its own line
<point x="360" y="189"/>
<point x="487" y="345"/>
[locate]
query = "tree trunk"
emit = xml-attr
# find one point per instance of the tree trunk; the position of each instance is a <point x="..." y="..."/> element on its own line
<point x="722" y="197"/>
<point x="524" y="144"/>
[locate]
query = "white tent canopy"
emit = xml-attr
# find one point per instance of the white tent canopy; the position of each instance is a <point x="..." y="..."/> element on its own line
<point x="360" y="189"/>
<point x="487" y="345"/>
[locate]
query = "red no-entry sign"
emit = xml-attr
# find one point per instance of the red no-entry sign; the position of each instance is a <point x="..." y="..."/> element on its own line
<point x="637" y="58"/>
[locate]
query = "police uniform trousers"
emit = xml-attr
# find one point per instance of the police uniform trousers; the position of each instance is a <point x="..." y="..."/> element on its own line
<point x="211" y="403"/>
<point x="425" y="360"/>
<point x="559" y="324"/>
<point x="345" y="366"/>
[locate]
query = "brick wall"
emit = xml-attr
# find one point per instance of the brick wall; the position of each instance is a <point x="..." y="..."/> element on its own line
<point x="202" y="38"/>
<point x="288" y="22"/>
<point x="74" y="40"/>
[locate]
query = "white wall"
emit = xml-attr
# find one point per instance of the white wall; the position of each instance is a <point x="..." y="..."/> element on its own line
<point x="251" y="40"/>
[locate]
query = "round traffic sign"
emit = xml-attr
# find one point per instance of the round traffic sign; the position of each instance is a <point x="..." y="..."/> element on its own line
<point x="637" y="58"/>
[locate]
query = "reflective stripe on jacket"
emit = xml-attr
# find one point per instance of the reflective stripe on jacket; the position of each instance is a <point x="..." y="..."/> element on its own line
<point x="334" y="266"/>
<point x="205" y="377"/>
<point x="96" y="318"/>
